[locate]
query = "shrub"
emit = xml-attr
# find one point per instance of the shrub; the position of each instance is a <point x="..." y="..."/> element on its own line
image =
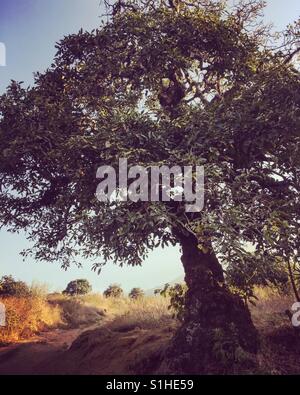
<point x="271" y="272"/>
<point x="10" y="287"/>
<point x="176" y="293"/>
<point x="26" y="316"/>
<point x="78" y="287"/>
<point x="136" y="293"/>
<point x="113" y="291"/>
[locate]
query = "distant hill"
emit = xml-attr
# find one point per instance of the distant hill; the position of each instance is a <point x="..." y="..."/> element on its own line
<point x="150" y="291"/>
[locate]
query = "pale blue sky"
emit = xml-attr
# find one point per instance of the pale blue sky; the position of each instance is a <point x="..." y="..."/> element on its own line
<point x="29" y="29"/>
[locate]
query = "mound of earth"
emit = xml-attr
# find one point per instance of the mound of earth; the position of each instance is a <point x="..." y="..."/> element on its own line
<point x="96" y="351"/>
<point x="104" y="351"/>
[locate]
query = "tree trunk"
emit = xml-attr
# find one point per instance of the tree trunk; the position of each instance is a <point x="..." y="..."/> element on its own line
<point x="217" y="334"/>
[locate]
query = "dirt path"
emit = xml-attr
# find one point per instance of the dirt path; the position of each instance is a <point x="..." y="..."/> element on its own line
<point x="38" y="355"/>
<point x="43" y="353"/>
<point x="89" y="350"/>
<point x="89" y="345"/>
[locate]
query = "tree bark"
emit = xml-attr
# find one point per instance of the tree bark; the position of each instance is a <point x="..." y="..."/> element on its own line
<point x="217" y="334"/>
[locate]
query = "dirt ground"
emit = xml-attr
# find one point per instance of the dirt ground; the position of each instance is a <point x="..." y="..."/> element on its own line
<point x="95" y="343"/>
<point x="86" y="351"/>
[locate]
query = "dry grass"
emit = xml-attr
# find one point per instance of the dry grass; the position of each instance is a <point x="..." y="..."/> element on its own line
<point x="118" y="335"/>
<point x="27" y="316"/>
<point x="270" y="307"/>
<point x="122" y="313"/>
<point x="128" y="336"/>
<point x="280" y="342"/>
<point x="144" y="313"/>
<point x="75" y="311"/>
<point x="114" y="306"/>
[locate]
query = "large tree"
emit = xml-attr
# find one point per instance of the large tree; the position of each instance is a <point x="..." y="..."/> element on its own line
<point x="175" y="83"/>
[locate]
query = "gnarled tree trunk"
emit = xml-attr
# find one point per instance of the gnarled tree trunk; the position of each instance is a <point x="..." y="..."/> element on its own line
<point x="217" y="334"/>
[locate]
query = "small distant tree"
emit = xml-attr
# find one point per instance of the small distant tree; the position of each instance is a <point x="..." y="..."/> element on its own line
<point x="10" y="287"/>
<point x="136" y="293"/>
<point x="78" y="287"/>
<point x="113" y="291"/>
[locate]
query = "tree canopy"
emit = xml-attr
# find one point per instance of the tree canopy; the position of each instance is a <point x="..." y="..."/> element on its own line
<point x="191" y="84"/>
<point x="136" y="293"/>
<point x="11" y="287"/>
<point x="113" y="291"/>
<point x="78" y="287"/>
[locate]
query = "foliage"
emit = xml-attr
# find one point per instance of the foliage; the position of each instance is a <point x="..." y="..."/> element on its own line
<point x="26" y="316"/>
<point x="78" y="287"/>
<point x="176" y="293"/>
<point x="136" y="293"/>
<point x="10" y="287"/>
<point x="113" y="291"/>
<point x="142" y="87"/>
<point x="253" y="273"/>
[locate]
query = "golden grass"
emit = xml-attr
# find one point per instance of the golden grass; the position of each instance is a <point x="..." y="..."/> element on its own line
<point x="27" y="316"/>
<point x="280" y="347"/>
<point x="145" y="312"/>
<point x="270" y="307"/>
<point x="121" y="335"/>
<point x="122" y="305"/>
